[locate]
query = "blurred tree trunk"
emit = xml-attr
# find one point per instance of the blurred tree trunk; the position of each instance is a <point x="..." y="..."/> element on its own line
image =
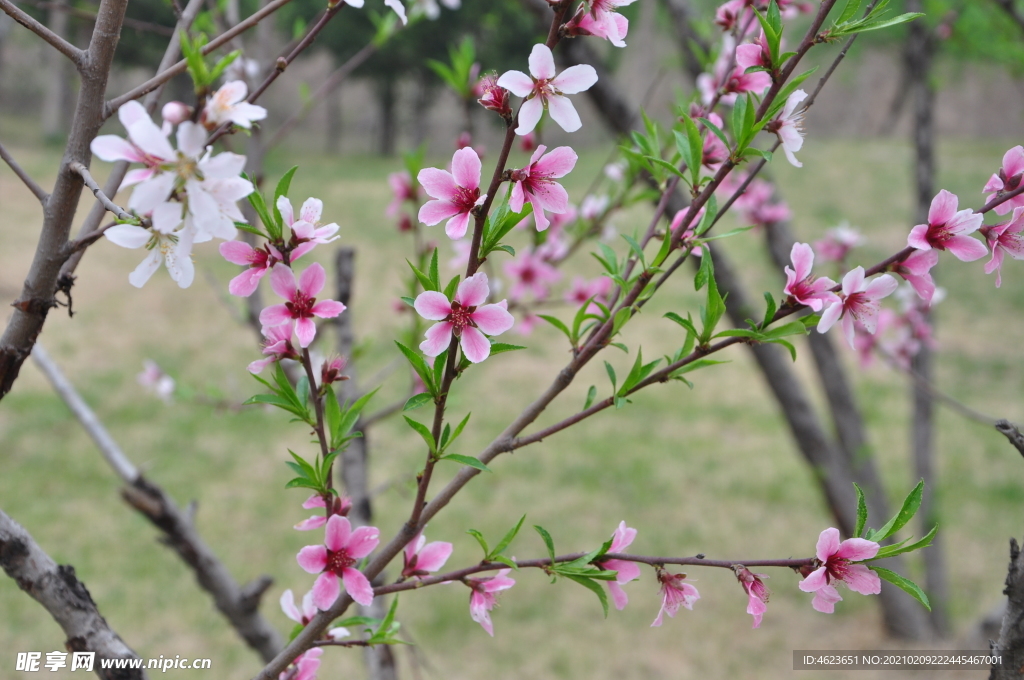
<point x="386" y="97"/>
<point x="354" y="469"/>
<point x="333" y="109"/>
<point x="425" y="92"/>
<point x="58" y="70"/>
<point x="918" y="59"/>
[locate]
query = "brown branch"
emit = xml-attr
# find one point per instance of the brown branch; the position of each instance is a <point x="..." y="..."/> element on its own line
<point x="76" y="55"/>
<point x="24" y="176"/>
<point x="166" y="74"/>
<point x="1012" y="433"/>
<point x="239" y="604"/>
<point x="135" y="24"/>
<point x="117" y="210"/>
<point x="283" y="63"/>
<point x="58" y="589"/>
<point x="330" y="85"/>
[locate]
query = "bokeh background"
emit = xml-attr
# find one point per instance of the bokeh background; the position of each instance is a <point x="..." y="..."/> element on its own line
<point x="705" y="470"/>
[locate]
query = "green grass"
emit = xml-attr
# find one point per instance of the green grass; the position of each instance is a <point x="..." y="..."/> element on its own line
<point x="711" y="470"/>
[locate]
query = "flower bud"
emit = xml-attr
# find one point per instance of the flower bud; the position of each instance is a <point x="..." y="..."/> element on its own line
<point x="493" y="97"/>
<point x="176" y="113"/>
<point x="331" y="370"/>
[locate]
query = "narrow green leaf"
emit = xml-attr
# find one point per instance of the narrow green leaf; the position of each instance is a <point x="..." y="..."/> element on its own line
<point x="611" y="376"/>
<point x="891" y="550"/>
<point x="424" y="432"/>
<point x="417" y="400"/>
<point x="423" y="278"/>
<point x="453" y="285"/>
<point x="547" y="541"/>
<point x="593" y="587"/>
<point x="557" y="324"/>
<point x="910" y="506"/>
<point x="282" y="190"/>
<point x="420" y="366"/>
<point x="502" y="347"/>
<point x="862" y="512"/>
<point x="904" y="584"/>
<point x="507" y="539"/>
<point x="481" y="540"/>
<point x="467" y="460"/>
<point x="434" y="275"/>
<point x="591" y="396"/>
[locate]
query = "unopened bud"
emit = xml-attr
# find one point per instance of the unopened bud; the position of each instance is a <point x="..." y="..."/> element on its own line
<point x="176" y="113"/>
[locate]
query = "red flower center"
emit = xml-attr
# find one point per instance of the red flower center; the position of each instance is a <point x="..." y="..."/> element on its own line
<point x="301" y="307"/>
<point x="338" y="562"/>
<point x="465" y="199"/>
<point x="460" y="318"/>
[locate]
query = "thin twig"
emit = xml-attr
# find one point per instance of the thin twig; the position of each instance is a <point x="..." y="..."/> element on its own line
<point x="937" y="394"/>
<point x="24" y="176"/>
<point x="76" y="55"/>
<point x="135" y="24"/>
<point x="117" y="210"/>
<point x="282" y="64"/>
<point x="159" y="79"/>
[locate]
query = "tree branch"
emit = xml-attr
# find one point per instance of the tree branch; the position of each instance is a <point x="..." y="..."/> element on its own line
<point x="117" y="210"/>
<point x="166" y="74"/>
<point x="76" y="55"/>
<point x="238" y="604"/>
<point x="58" y="589"/>
<point x="24" y="176"/>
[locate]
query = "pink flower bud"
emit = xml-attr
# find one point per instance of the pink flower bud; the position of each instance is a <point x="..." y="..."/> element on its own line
<point x="492" y="96"/>
<point x="331" y="370"/>
<point x="176" y="113"/>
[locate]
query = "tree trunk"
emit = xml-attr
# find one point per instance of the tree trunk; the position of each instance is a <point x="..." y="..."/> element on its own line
<point x="386" y="97"/>
<point x="918" y="58"/>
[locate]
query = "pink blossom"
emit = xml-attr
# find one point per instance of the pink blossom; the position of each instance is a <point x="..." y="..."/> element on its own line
<point x="483" y="598"/>
<point x="754" y="55"/>
<point x="302" y="305"/>
<point x="228" y="105"/>
<point x="627" y="571"/>
<point x="531" y="274"/>
<point x="1007" y="179"/>
<point x="535" y="184"/>
<point x="916" y="270"/>
<point x="582" y="291"/>
<point x="789" y="126"/>
<point x="465" y="317"/>
<point x="331" y="370"/>
<point x="835" y="563"/>
<point x="757" y="592"/>
<point x="421" y="557"/>
<point x="492" y="96"/>
<point x="277" y="345"/>
<point x="304" y="667"/>
<point x="865" y="343"/>
<point x="947" y="229"/>
<point x="403" y="190"/>
<point x="729" y="78"/>
<point x="176" y="112"/>
<point x="814" y="293"/>
<point x="1002" y="239"/>
<point x="258" y="260"/>
<point x="156" y="381"/>
<point x="545" y="90"/>
<point x="336" y="559"/>
<point x="341" y="506"/>
<point x="729" y="13"/>
<point x="527" y="322"/>
<point x="857" y="302"/>
<point x="555" y="247"/>
<point x="305" y="615"/>
<point x="838" y="243"/>
<point x="455" y="193"/>
<point x="602" y="21"/>
<point x="306" y="230"/>
<point x="593" y="207"/>
<point x="675" y="593"/>
<point x="757" y="206"/>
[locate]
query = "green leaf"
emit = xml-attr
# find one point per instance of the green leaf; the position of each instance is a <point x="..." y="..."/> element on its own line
<point x="467" y="460"/>
<point x="481" y="540"/>
<point x="760" y="153"/>
<point x="420" y="366"/>
<point x="557" y="323"/>
<point x="458" y="430"/>
<point x="728" y="234"/>
<point x="435" y="277"/>
<point x="507" y="539"/>
<point x="547" y="541"/>
<point x="453" y="285"/>
<point x="424" y="432"/>
<point x="710" y="215"/>
<point x="440" y="361"/>
<point x="862" y="512"/>
<point x="507" y="248"/>
<point x="282" y="190"/>
<point x="910" y="506"/>
<point x="890" y="550"/>
<point x="769" y="314"/>
<point x="593" y="587"/>
<point x="417" y="400"/>
<point x="332" y="410"/>
<point x="260" y="206"/>
<point x="717" y="131"/>
<point x="611" y="376"/>
<point x="502" y="347"/>
<point x="591" y="395"/>
<point x="705" y="272"/>
<point x="222" y="65"/>
<point x="665" y="165"/>
<point x="423" y="278"/>
<point x="848" y="11"/>
<point x="904" y="584"/>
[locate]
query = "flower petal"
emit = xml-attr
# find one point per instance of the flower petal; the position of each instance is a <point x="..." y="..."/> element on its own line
<point x="473" y="291"/>
<point x="575" y="79"/>
<point x="475" y="345"/>
<point x="326" y="590"/>
<point x="564" y="113"/>
<point x="466" y="168"/>
<point x="358" y="586"/>
<point x="432" y="305"/>
<point x="516" y="82"/>
<point x="339" y="529"/>
<point x="529" y="115"/>
<point x="439" y="336"/>
<point x="493" y="319"/>
<point x="363" y="541"/>
<point x="542" y="62"/>
<point x="313" y="558"/>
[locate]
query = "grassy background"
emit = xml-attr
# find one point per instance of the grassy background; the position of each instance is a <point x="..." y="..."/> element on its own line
<point x="712" y="470"/>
